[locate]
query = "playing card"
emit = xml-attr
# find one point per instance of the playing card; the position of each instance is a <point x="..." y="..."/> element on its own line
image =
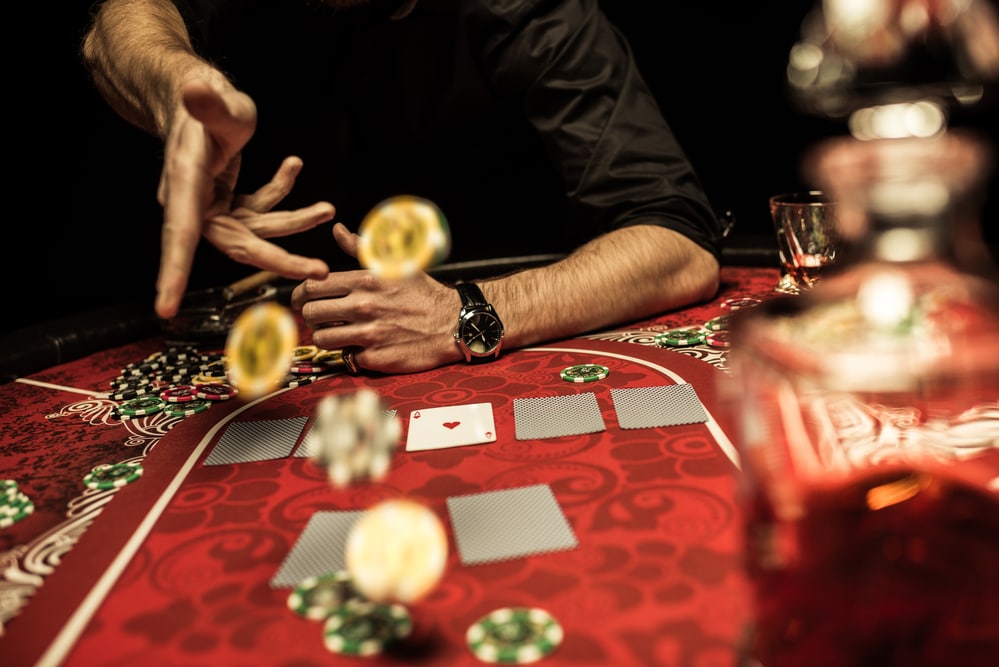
<point x="266" y="440"/>
<point x="450" y="426"/>
<point x="650" y="407"/>
<point x="556" y="416"/>
<point x="319" y="548"/>
<point x="509" y="523"/>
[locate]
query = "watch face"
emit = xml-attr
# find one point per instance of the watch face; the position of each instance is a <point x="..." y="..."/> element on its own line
<point x="481" y="332"/>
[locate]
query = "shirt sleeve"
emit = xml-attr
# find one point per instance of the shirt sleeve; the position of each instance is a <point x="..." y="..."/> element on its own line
<point x="598" y="121"/>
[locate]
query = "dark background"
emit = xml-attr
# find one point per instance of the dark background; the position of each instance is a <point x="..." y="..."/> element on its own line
<point x="91" y="237"/>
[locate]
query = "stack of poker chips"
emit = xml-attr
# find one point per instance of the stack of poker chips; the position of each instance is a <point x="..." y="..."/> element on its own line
<point x="159" y="383"/>
<point x="182" y="381"/>
<point x="14" y="503"/>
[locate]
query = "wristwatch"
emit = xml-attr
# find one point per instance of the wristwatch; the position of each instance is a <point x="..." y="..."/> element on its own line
<point x="480" y="332"/>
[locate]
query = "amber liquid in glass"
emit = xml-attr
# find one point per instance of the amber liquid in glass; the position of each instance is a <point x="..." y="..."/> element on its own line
<point x="888" y="568"/>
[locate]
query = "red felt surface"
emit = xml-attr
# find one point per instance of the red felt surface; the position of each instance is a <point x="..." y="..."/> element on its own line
<point x="174" y="569"/>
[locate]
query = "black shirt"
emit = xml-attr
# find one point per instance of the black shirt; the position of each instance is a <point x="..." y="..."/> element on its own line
<point x="526" y="121"/>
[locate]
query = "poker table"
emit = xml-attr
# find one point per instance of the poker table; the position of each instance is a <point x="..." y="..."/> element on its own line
<point x="176" y="568"/>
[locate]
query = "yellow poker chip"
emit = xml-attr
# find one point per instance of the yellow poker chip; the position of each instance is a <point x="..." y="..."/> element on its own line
<point x="304" y="352"/>
<point x="402" y="236"/>
<point x="396" y="551"/>
<point x="260" y="348"/>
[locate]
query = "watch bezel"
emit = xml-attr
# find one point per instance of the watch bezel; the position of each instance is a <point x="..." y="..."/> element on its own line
<point x="463" y="334"/>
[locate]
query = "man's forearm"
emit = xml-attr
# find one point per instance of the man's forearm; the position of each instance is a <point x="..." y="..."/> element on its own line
<point x="138" y="53"/>
<point x="625" y="275"/>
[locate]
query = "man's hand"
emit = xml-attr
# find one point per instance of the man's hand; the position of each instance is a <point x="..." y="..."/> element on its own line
<point x="200" y="169"/>
<point x="400" y="326"/>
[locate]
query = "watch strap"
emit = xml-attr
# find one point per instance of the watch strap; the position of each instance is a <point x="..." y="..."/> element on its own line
<point x="471" y="295"/>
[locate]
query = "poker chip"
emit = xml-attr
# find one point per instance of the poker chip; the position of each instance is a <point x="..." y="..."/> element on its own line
<point x="187" y="408"/>
<point x="293" y="381"/>
<point x="128" y="393"/>
<point x="682" y="337"/>
<point x="738" y="303"/>
<point x="328" y="357"/>
<point x="363" y="628"/>
<point x="205" y="378"/>
<point x="307" y="368"/>
<point x="8" y="487"/>
<point x="401" y="236"/>
<point x="396" y="551"/>
<point x="215" y="392"/>
<point x="514" y="636"/>
<point x="355" y="436"/>
<point x="718" y="339"/>
<point x="180" y="394"/>
<point x="15" y="505"/>
<point x="113" y="476"/>
<point x="14" y="508"/>
<point x="719" y="323"/>
<point x="304" y="352"/>
<point x="318" y="597"/>
<point x="144" y="405"/>
<point x="259" y="348"/>
<point x="584" y="373"/>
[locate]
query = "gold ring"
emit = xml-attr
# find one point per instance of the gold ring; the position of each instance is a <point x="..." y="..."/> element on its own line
<point x="348" y="359"/>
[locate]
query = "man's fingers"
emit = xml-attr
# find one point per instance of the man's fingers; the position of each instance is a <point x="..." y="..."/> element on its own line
<point x="346" y="239"/>
<point x="283" y="223"/>
<point x="268" y="196"/>
<point x="230" y="117"/>
<point x="240" y="244"/>
<point x="181" y="192"/>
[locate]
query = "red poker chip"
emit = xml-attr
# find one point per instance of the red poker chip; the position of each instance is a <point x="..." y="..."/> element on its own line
<point x="184" y="393"/>
<point x="718" y="339"/>
<point x="215" y="392"/>
<point x="308" y="368"/>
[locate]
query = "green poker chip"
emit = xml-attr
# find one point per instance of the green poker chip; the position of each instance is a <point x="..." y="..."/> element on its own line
<point x="14" y="509"/>
<point x="113" y="476"/>
<point x="514" y="636"/>
<point x="144" y="405"/>
<point x="362" y="628"/>
<point x="719" y="323"/>
<point x="8" y="488"/>
<point x="318" y="597"/>
<point x="680" y="337"/>
<point x="585" y="373"/>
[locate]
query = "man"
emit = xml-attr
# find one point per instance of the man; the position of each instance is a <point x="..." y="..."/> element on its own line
<point x="412" y="96"/>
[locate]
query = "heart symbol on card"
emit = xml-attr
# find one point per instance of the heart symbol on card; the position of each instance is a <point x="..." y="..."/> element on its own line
<point x="451" y="425"/>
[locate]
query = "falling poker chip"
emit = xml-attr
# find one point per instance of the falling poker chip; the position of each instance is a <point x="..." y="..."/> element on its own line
<point x="356" y="436"/>
<point x="402" y="236"/>
<point x="113" y="476"/>
<point x="363" y="628"/>
<point x="584" y="373"/>
<point x="514" y="636"/>
<point x="259" y="349"/>
<point x="397" y="551"/>
<point x="318" y="597"/>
